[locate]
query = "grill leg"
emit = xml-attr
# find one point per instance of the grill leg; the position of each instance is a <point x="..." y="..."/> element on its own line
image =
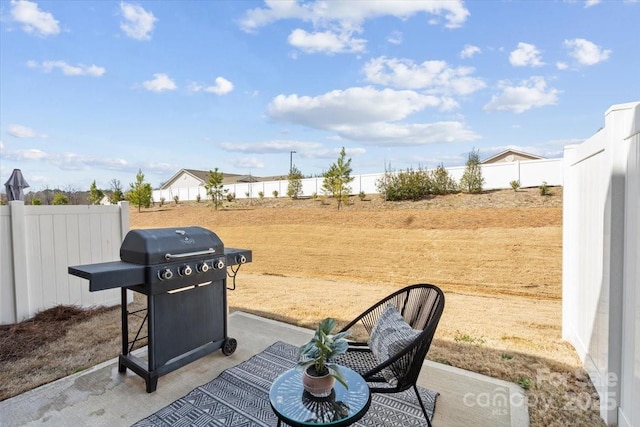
<point x="152" y="382"/>
<point x="125" y="326"/>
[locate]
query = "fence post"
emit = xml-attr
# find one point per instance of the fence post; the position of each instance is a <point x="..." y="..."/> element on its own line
<point x="20" y="272"/>
<point x="124" y="218"/>
<point x="570" y="229"/>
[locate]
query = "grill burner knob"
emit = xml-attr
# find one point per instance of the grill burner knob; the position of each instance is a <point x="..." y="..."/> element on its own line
<point x="203" y="268"/>
<point x="185" y="271"/>
<point x="219" y="265"/>
<point x="241" y="259"/>
<point x="165" y="274"/>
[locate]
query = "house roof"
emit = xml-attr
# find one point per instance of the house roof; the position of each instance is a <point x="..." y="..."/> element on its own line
<point x="514" y="152"/>
<point x="203" y="177"/>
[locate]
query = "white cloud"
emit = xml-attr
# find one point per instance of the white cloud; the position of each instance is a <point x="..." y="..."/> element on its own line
<point x="357" y="105"/>
<point x="160" y="83"/>
<point x="469" y="51"/>
<point x="247" y="163"/>
<point x="590" y="3"/>
<point x="20" y="131"/>
<point x="138" y="23"/>
<point x="526" y="55"/>
<point x="369" y="115"/>
<point x="156" y="168"/>
<point x="327" y="42"/>
<point x="437" y="77"/>
<point x="67" y="69"/>
<point x="531" y="93"/>
<point x="33" y="19"/>
<point x="562" y="65"/>
<point x="349" y="16"/>
<point x="275" y="146"/>
<point x="332" y="153"/>
<point x="335" y="22"/>
<point x="395" y="37"/>
<point x="586" y="52"/>
<point x="222" y="87"/>
<point x="409" y="133"/>
<point x="24" y="155"/>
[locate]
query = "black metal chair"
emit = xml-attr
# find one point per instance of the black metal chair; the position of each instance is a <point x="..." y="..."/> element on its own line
<point x="420" y="306"/>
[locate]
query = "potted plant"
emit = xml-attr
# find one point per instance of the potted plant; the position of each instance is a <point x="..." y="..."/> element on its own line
<point x="318" y="373"/>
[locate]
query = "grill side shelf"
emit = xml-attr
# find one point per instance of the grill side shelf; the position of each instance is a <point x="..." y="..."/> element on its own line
<point x="237" y="256"/>
<point x="109" y="275"/>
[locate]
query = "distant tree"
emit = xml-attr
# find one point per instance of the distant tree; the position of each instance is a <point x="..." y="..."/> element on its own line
<point x="214" y="187"/>
<point x="294" y="189"/>
<point x="74" y="195"/>
<point x="116" y="192"/>
<point x="95" y="194"/>
<point x="60" y="199"/>
<point x="472" y="180"/>
<point x="36" y="201"/>
<point x="140" y="192"/>
<point x="337" y="178"/>
<point x="48" y="194"/>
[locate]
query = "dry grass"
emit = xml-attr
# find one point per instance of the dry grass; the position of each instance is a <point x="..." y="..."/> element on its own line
<point x="497" y="256"/>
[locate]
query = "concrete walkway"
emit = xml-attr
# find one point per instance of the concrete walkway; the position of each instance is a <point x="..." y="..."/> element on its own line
<point x="101" y="396"/>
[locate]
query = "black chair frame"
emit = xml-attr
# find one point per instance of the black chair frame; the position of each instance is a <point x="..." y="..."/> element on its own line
<point x="421" y="306"/>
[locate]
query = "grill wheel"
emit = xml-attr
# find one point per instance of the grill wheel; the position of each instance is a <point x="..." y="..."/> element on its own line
<point x="229" y="346"/>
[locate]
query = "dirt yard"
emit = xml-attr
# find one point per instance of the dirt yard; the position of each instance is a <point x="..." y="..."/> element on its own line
<point x="497" y="256"/>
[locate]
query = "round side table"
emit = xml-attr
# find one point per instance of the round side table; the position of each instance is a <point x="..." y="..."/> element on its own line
<point x="295" y="407"/>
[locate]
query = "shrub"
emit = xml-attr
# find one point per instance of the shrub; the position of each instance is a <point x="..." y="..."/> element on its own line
<point x="544" y="189"/>
<point x="36" y="201"/>
<point x="176" y="199"/>
<point x="60" y="199"/>
<point x="441" y="183"/>
<point x="162" y="200"/>
<point x="231" y="197"/>
<point x="408" y="185"/>
<point x="362" y="195"/>
<point x="261" y="195"/>
<point x="198" y="198"/>
<point x="525" y="382"/>
<point x="275" y="193"/>
<point x="515" y="185"/>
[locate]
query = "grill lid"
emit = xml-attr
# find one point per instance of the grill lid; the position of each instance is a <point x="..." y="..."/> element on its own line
<point x="161" y="245"/>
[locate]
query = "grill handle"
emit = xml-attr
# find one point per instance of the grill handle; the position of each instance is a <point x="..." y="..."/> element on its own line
<point x="209" y="251"/>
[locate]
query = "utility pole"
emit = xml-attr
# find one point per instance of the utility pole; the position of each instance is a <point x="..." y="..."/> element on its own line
<point x="291" y="161"/>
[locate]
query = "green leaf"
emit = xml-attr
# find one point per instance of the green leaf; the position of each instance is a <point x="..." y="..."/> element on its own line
<point x="336" y="373"/>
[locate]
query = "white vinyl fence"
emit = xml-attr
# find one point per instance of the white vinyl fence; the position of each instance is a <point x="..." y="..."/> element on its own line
<point x="530" y="173"/>
<point x="601" y="255"/>
<point x="39" y="243"/>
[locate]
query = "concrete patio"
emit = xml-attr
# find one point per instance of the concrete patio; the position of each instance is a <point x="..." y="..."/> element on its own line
<point x="101" y="396"/>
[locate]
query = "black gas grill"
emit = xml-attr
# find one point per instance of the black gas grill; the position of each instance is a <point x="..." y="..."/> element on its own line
<point x="183" y="273"/>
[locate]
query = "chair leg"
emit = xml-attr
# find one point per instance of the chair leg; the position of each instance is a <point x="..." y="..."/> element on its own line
<point x="424" y="410"/>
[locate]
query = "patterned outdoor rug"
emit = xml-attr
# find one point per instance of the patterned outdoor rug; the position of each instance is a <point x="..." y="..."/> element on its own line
<point x="239" y="396"/>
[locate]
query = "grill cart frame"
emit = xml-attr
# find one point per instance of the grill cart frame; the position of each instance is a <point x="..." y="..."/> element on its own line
<point x="185" y="294"/>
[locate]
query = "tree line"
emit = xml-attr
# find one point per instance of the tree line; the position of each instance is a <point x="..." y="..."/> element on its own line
<point x="403" y="185"/>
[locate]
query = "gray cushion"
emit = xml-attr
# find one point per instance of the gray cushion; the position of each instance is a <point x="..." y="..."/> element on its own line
<point x="390" y="335"/>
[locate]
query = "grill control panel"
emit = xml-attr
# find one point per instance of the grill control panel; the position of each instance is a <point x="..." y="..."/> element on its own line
<point x="194" y="268"/>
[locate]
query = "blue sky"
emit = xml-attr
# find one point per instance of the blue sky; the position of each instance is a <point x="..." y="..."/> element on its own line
<point x="95" y="90"/>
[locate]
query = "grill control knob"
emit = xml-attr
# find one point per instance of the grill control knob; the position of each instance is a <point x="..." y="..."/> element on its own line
<point x="185" y="271"/>
<point x="219" y="265"/>
<point x="203" y="268"/>
<point x="165" y="274"/>
<point x="241" y="259"/>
